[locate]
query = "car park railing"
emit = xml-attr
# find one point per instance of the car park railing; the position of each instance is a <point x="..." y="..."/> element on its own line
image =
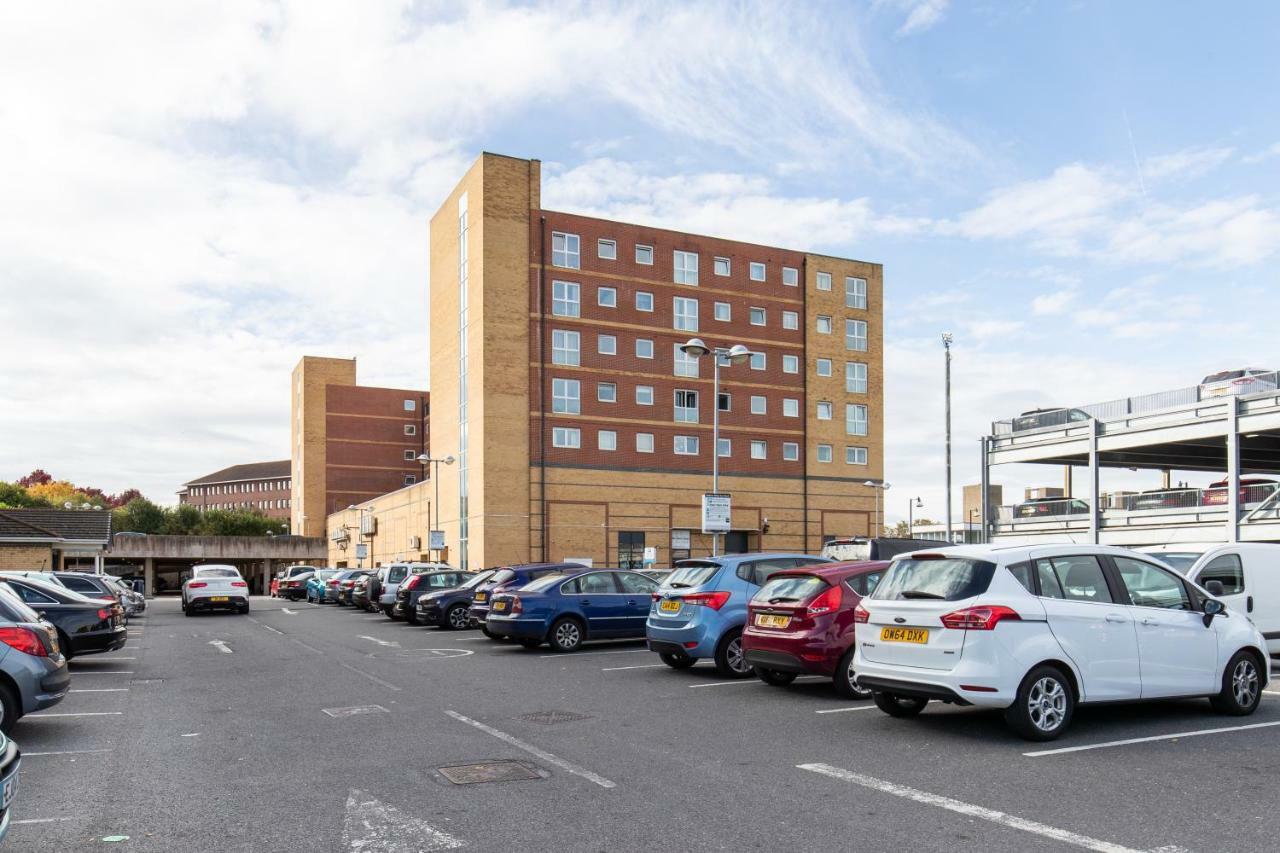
<point x="1257" y="502"/>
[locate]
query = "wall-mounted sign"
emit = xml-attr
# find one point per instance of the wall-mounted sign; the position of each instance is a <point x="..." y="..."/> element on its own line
<point x="716" y="512"/>
<point x="680" y="540"/>
<point x="437" y="540"/>
<point x="650" y="555"/>
<point x="362" y="551"/>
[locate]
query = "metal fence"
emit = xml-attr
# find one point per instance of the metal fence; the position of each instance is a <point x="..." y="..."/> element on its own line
<point x="1250" y="497"/>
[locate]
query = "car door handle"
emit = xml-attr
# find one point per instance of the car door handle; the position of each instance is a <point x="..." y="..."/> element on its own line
<point x="1248" y="604"/>
<point x="1147" y="620"/>
<point x="586" y="603"/>
<point x="1115" y="617"/>
<point x="631" y="602"/>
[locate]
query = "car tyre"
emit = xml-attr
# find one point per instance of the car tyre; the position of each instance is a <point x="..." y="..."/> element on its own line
<point x="10" y="708"/>
<point x="187" y="611"/>
<point x="730" y="661"/>
<point x="901" y="707"/>
<point x="566" y="635"/>
<point x="1241" y="686"/>
<point x="676" y="661"/>
<point x="243" y="609"/>
<point x="775" y="677"/>
<point x="1044" y="705"/>
<point x="843" y="679"/>
<point x="492" y="636"/>
<point x="456" y="619"/>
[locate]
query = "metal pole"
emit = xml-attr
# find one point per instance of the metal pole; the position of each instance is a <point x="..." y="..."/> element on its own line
<point x="946" y="343"/>
<point x="435" y="506"/>
<point x="715" y="439"/>
<point x="875" y="531"/>
<point x="911" y="518"/>
<point x="985" y="501"/>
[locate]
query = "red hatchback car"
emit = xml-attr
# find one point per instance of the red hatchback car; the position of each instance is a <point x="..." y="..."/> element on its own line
<point x="801" y="623"/>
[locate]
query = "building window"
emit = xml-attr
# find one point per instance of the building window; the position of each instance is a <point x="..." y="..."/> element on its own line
<point x="686" y="406"/>
<point x="644" y="300"/>
<point x="607" y="297"/>
<point x="757" y="316"/>
<point x="855" y="335"/>
<point x="565" y="397"/>
<point x="791" y="364"/>
<point x="758" y="361"/>
<point x="855" y="377"/>
<point x="607" y="345"/>
<point x="410" y="405"/>
<point x="824" y="324"/>
<point x="759" y="450"/>
<point x="824" y="410"/>
<point x="644" y="348"/>
<point x="564" y="299"/>
<point x="644" y="442"/>
<point x="410" y="455"/>
<point x="686" y="267"/>
<point x="790" y="320"/>
<point x="607" y="439"/>
<point x="409" y="479"/>
<point x="723" y="312"/>
<point x="723" y="266"/>
<point x="566" y="437"/>
<point x="855" y="419"/>
<point x="644" y="395"/>
<point x="724" y="448"/>
<point x="607" y="250"/>
<point x="564" y="250"/>
<point x="685" y="364"/>
<point x="790" y="451"/>
<point x="824" y="453"/>
<point x="855" y="456"/>
<point x="790" y="408"/>
<point x="759" y="404"/>
<point x="564" y="347"/>
<point x="607" y="392"/>
<point x="644" y="255"/>
<point x="726" y="402"/>
<point x="686" y="314"/>
<point x="757" y="271"/>
<point x="686" y="445"/>
<point x="824" y="367"/>
<point x="410" y="429"/>
<point x="855" y="292"/>
<point x="824" y="281"/>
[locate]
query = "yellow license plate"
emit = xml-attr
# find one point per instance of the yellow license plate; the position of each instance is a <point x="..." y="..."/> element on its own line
<point x="480" y="596"/>
<point x="671" y="605"/>
<point x="904" y="635"/>
<point x="218" y="598"/>
<point x="499" y="605"/>
<point x="768" y="620"/>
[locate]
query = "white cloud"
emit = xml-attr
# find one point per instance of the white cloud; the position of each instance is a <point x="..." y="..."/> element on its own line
<point x="1264" y="154"/>
<point x="1187" y="163"/>
<point x="920" y="14"/>
<point x="1055" y="302"/>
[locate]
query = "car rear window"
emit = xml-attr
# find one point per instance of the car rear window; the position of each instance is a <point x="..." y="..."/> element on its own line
<point x="691" y="574"/>
<point x="1180" y="561"/>
<point x="397" y="573"/>
<point x="544" y="582"/>
<point x="502" y="576"/>
<point x="217" y="573"/>
<point x="477" y="580"/>
<point x="789" y="589"/>
<point x="942" y="579"/>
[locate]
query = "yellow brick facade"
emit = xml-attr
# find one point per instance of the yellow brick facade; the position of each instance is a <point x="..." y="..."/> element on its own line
<point x="307" y="443"/>
<point x="26" y="557"/>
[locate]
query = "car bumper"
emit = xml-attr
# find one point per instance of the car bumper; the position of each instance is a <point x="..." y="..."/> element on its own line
<point x="478" y="615"/>
<point x="42" y="681"/>
<point x="782" y="661"/>
<point x="691" y="640"/>
<point x="430" y="613"/>
<point x="519" y="629"/>
<point x="9" y="780"/>
<point x="99" y="641"/>
<point x="232" y="602"/>
<point x="936" y="684"/>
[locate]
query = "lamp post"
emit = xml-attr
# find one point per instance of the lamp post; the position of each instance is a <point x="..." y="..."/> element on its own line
<point x="360" y="530"/>
<point x="879" y="487"/>
<point x="736" y="354"/>
<point x="946" y="346"/>
<point x="912" y="505"/>
<point x="435" y="478"/>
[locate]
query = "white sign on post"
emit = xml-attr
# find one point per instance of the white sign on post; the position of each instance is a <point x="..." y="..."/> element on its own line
<point x="716" y="512"/>
<point x="362" y="551"/>
<point x="650" y="556"/>
<point x="437" y="540"/>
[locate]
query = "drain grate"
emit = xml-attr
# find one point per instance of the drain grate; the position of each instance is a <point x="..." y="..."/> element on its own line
<point x="489" y="771"/>
<point x="548" y="718"/>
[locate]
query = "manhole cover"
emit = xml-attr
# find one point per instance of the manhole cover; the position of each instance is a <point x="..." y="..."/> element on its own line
<point x="548" y="718"/>
<point x="489" y="771"/>
<point x="358" y="709"/>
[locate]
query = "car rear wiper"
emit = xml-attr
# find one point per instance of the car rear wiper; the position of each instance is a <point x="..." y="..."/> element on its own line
<point x="917" y="593"/>
<point x="678" y="585"/>
<point x="782" y="598"/>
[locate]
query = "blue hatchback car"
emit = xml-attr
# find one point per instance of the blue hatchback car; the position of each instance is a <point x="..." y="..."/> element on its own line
<point x="701" y="608"/>
<point x="567" y="609"/>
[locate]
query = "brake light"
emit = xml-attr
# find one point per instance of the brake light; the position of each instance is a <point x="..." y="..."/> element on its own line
<point x="656" y="596"/>
<point x="714" y="600"/>
<point x="242" y="583"/>
<point x="333" y="583"/>
<point x="516" y="605"/>
<point x="411" y="582"/>
<point x="24" y="640"/>
<point x="104" y="613"/>
<point x="860" y="615"/>
<point x="826" y="602"/>
<point x="196" y="585"/>
<point x="982" y="618"/>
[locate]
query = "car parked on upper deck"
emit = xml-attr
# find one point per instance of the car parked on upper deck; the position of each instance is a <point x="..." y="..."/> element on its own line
<point x="1245" y="380"/>
<point x="505" y="577"/>
<point x="801" y="623"/>
<point x="1038" y="630"/>
<point x="413" y="587"/>
<point x="566" y="610"/>
<point x="700" y="609"/>
<point x="83" y="625"/>
<point x="316" y="585"/>
<point x="215" y="586"/>
<point x="33" y="670"/>
<point x="1048" y="508"/>
<point x="448" y="608"/>
<point x="1053" y="417"/>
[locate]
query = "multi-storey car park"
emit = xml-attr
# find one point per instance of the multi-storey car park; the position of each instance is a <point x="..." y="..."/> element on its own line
<point x="1228" y="428"/>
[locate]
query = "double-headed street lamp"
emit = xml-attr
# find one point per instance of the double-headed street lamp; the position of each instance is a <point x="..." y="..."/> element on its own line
<point x="435" y="478"/>
<point x="912" y="506"/>
<point x="879" y="487"/>
<point x="736" y="354"/>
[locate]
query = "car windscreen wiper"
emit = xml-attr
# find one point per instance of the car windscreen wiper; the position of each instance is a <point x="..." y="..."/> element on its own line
<point x="782" y="598"/>
<point x="678" y="585"/>
<point x="918" y="593"/>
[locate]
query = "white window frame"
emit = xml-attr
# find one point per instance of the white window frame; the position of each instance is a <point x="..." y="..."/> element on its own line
<point x="728" y="399"/>
<point x="728" y="312"/>
<point x="639" y="342"/>
<point x="854" y="425"/>
<point x="687" y="441"/>
<point x="790" y="277"/>
<point x="759" y="448"/>
<point x="684" y="267"/>
<point x="851" y="454"/>
<point x="855" y="292"/>
<point x="853" y="382"/>
<point x="853" y="341"/>
<point x="611" y="302"/>
<point x="822" y="367"/>
<point x="410" y="429"/>
<point x="410" y="455"/>
<point x="822" y="325"/>
<point x="571" y="299"/>
<point x="649" y="392"/>
<point x="758" y="271"/>
<point x="644" y="293"/>
<point x="824" y="453"/>
<point x="642" y="439"/>
<point x="569" y="255"/>
<point x="609" y="444"/>
<point x="759" y="361"/>
<point x="410" y="405"/>
<point x="684" y="364"/>
<point x="612" y="393"/>
<point x="610" y="341"/>
<point x="790" y="363"/>
<point x="684" y="414"/>
<point x="790" y="407"/>
<point x="790" y="320"/>
<point x="825" y="410"/>
<point x="725" y="448"/>
<point x="573" y="356"/>
<point x="759" y="404"/>
<point x="755" y="311"/>
<point x="567" y="437"/>
<point x="612" y="249"/>
<point x="790" y="451"/>
<point x="684" y="313"/>
<point x="822" y="280"/>
<point x="727" y="264"/>
<point x="566" y="396"/>
<point x="641" y="250"/>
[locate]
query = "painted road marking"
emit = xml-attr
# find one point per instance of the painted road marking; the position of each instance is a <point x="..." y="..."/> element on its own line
<point x="375" y="679"/>
<point x="288" y="612"/>
<point x="104" y="672"/>
<point x="639" y="666"/>
<point x="585" y="654"/>
<point x="100" y="690"/>
<point x="842" y="710"/>
<point x="754" y="681"/>
<point x="309" y="648"/>
<point x="48" y="819"/>
<point x="371" y="825"/>
<point x="79" y="714"/>
<point x="967" y="809"/>
<point x="67" y="752"/>
<point x="535" y="751"/>
<point x="1043" y="752"/>
<point x="221" y="646"/>
<point x="354" y="710"/>
<point x="388" y="644"/>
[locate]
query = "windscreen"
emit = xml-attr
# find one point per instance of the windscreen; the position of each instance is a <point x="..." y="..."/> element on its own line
<point x="544" y="582"/>
<point x="325" y="574"/>
<point x="397" y="573"/>
<point x="1180" y="561"/>
<point x="691" y="573"/>
<point x="483" y="577"/>
<point x="947" y="579"/>
<point x="789" y="589"/>
<point x="14" y="608"/>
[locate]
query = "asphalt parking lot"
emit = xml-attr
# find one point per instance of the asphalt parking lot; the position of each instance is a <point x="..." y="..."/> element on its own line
<point x="315" y="728"/>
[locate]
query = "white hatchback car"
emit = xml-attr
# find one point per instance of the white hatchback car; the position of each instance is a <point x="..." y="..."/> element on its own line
<point x="1037" y="630"/>
<point x="215" y="587"/>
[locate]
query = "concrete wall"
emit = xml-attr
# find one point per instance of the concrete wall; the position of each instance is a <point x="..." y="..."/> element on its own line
<point x="294" y="548"/>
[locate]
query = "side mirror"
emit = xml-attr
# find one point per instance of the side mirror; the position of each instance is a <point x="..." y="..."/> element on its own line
<point x="1212" y="608"/>
<point x="1215" y="587"/>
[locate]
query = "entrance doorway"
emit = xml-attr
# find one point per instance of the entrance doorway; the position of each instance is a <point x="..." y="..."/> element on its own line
<point x="735" y="542"/>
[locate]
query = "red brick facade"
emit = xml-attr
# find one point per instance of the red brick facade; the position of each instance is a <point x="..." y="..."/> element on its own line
<point x="369" y="451"/>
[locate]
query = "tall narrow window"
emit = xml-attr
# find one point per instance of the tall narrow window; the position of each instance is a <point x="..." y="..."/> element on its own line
<point x="790" y="408"/>
<point x="855" y="335"/>
<point x="824" y="453"/>
<point x="823" y="324"/>
<point x="855" y="292"/>
<point x="686" y="406"/>
<point x="564" y="250"/>
<point x="686" y="267"/>
<point x="686" y="314"/>
<point x="790" y="276"/>
<point x="685" y="364"/>
<point x="724" y="447"/>
<point x="564" y="347"/>
<point x="823" y="281"/>
<point x="855" y="377"/>
<point x="565" y="299"/>
<point x="566" y="396"/>
<point x="790" y="320"/>
<point x="824" y="410"/>
<point x="855" y="419"/>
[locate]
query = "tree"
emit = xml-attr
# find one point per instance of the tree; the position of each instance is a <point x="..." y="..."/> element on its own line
<point x="182" y="520"/>
<point x="14" y="496"/>
<point x="60" y="492"/>
<point x="139" y="516"/>
<point x="35" y="478"/>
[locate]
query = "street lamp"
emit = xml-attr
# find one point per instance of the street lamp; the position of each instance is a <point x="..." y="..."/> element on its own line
<point x="736" y="354"/>
<point x="879" y="487"/>
<point x="912" y="506"/>
<point x="359" y="530"/>
<point x="947" y="337"/>
<point x="435" y="478"/>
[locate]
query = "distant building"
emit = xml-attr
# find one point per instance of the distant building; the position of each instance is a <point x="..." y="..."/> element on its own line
<point x="349" y="443"/>
<point x="263" y="486"/>
<point x="973" y="502"/>
<point x="48" y="539"/>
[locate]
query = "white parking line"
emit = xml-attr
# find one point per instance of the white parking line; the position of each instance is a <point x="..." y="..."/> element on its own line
<point x="221" y="646"/>
<point x="533" y="750"/>
<point x="100" y="690"/>
<point x="83" y="673"/>
<point x="102" y="660"/>
<point x="67" y="752"/>
<point x="640" y="666"/>
<point x="79" y="714"/>
<point x="1043" y="752"/>
<point x="48" y="819"/>
<point x="754" y="681"/>
<point x="842" y="710"/>
<point x="585" y="654"/>
<point x="388" y="644"/>
<point x="967" y="809"/>
<point x="373" y="678"/>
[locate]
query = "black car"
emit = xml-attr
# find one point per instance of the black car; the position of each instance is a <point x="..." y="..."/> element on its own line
<point x="346" y="585"/>
<point x="448" y="608"/>
<point x="414" y="586"/>
<point x="294" y="587"/>
<point x="89" y="585"/>
<point x="1050" y="508"/>
<point x="85" y="625"/>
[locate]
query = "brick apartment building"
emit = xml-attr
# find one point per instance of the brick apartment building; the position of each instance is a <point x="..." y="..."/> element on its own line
<point x="349" y="443"/>
<point x="264" y="486"/>
<point x="580" y="428"/>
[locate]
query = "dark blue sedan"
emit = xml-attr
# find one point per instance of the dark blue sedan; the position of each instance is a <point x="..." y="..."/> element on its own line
<point x="571" y="607"/>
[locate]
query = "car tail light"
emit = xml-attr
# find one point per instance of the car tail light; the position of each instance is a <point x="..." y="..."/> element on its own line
<point x="656" y="596"/>
<point x="982" y="618"/>
<point x="860" y="615"/>
<point x="196" y="585"/>
<point x="412" y="582"/>
<point x="714" y="600"/>
<point x="243" y="583"/>
<point x="333" y="583"/>
<point x="104" y="613"/>
<point x="826" y="602"/>
<point x="24" y="640"/>
<point x="516" y="605"/>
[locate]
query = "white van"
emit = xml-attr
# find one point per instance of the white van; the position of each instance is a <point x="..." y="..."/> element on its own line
<point x="1248" y="571"/>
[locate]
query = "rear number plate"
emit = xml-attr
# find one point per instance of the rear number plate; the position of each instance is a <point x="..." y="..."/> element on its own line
<point x="904" y="635"/>
<point x="766" y="620"/>
<point x="671" y="605"/>
<point x="218" y="598"/>
<point x="499" y="606"/>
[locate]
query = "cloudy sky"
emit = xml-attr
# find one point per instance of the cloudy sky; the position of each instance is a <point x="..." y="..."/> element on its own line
<point x="192" y="195"/>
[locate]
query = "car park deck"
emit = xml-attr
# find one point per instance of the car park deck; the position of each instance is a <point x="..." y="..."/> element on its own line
<point x="301" y="727"/>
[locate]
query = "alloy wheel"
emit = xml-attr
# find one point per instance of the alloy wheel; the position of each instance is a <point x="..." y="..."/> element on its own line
<point x="458" y="618"/>
<point x="1244" y="682"/>
<point x="1047" y="704"/>
<point x="733" y="653"/>
<point x="568" y="635"/>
